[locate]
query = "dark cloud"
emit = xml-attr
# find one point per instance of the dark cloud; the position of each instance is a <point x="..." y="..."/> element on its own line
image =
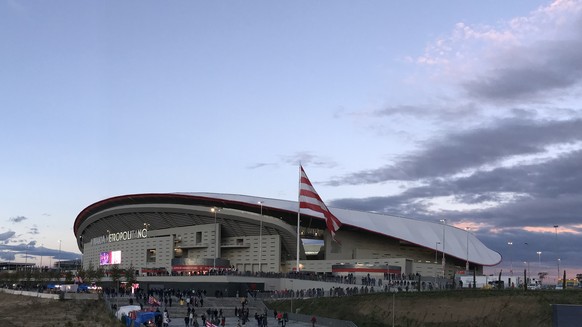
<point x="33" y="230"/>
<point x="7" y="255"/>
<point x="533" y="194"/>
<point x="525" y="245"/>
<point x="536" y="72"/>
<point x="539" y="192"/>
<point x="471" y="149"/>
<point x="7" y="235"/>
<point x="17" y="219"/>
<point x="29" y="249"/>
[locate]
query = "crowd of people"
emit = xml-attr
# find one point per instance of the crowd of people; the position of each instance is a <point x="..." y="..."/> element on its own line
<point x="193" y="299"/>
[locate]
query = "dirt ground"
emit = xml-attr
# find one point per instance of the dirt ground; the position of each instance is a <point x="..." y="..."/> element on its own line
<point x="20" y="311"/>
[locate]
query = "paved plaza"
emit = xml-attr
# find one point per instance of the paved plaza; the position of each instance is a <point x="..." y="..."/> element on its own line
<point x="233" y="322"/>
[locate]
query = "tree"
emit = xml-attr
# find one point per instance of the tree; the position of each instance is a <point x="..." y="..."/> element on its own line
<point x="130" y="277"/>
<point x="90" y="273"/>
<point x="68" y="277"/>
<point x="541" y="276"/>
<point x="115" y="274"/>
<point x="99" y="274"/>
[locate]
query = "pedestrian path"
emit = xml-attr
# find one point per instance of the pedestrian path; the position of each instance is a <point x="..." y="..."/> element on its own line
<point x="233" y="321"/>
<point x="177" y="312"/>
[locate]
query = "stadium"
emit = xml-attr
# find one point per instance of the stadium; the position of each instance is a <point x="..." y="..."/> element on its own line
<point x="184" y="234"/>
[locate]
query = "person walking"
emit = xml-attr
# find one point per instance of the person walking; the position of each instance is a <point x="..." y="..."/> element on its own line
<point x="166" y="318"/>
<point x="313" y="321"/>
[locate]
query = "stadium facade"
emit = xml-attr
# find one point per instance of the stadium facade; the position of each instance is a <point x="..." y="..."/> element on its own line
<point x="193" y="233"/>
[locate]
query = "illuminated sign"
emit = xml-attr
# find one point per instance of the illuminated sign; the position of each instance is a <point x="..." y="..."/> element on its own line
<point x="120" y="236"/>
<point x="110" y="258"/>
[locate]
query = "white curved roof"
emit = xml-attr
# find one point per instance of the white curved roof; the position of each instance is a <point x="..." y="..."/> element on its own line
<point x="420" y="232"/>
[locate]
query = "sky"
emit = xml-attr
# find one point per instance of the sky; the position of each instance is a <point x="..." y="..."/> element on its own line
<point x="459" y="110"/>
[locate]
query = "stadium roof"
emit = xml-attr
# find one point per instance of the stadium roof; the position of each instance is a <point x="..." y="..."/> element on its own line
<point x="420" y="232"/>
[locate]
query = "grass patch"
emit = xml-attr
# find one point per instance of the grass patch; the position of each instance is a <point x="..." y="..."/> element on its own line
<point x="483" y="308"/>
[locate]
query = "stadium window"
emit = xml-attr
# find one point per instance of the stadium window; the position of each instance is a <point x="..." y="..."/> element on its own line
<point x="151" y="255"/>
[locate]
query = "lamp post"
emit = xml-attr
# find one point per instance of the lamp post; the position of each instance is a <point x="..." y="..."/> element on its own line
<point x="527" y="263"/>
<point x="510" y="258"/>
<point x="41" y="258"/>
<point x="467" y="263"/>
<point x="444" y="221"/>
<point x="292" y="294"/>
<point x="215" y="210"/>
<point x="261" y="237"/>
<point x="558" y="278"/>
<point x="25" y="256"/>
<point x="539" y="260"/>
<point x="59" y="263"/>
<point x="436" y="252"/>
<point x="557" y="253"/>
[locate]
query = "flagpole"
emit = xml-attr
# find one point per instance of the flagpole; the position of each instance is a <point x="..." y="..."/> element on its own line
<point x="298" y="217"/>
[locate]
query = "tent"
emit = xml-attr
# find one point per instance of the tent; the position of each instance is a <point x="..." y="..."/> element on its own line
<point x="124" y="310"/>
<point x="142" y="316"/>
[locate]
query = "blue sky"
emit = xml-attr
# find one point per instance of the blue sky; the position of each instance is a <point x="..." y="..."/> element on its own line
<point x="456" y="109"/>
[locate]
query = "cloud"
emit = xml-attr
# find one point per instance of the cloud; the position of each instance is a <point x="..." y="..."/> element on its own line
<point x="513" y="180"/>
<point x="444" y="112"/>
<point x="7" y="235"/>
<point x="29" y="249"/>
<point x="7" y="256"/>
<point x="528" y="59"/>
<point x="33" y="230"/>
<point x="261" y="165"/>
<point x="305" y="158"/>
<point x="510" y="166"/>
<point x="17" y="219"/>
<point x="537" y="194"/>
<point x="308" y="159"/>
<point x="471" y="149"/>
<point x="558" y="66"/>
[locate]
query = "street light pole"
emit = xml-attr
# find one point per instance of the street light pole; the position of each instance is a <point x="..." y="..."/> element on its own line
<point x="436" y="252"/>
<point x="436" y="260"/>
<point x="558" y="278"/>
<point x="510" y="258"/>
<point x="261" y="237"/>
<point x="25" y="256"/>
<point x="539" y="260"/>
<point x="444" y="221"/>
<point x="467" y="263"/>
<point x="215" y="209"/>
<point x="557" y="253"/>
<point x="59" y="263"/>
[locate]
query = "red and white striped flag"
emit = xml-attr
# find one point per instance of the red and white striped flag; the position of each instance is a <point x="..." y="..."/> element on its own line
<point x="310" y="201"/>
<point x="153" y="301"/>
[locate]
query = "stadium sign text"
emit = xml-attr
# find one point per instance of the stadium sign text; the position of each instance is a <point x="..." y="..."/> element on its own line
<point x="120" y="236"/>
